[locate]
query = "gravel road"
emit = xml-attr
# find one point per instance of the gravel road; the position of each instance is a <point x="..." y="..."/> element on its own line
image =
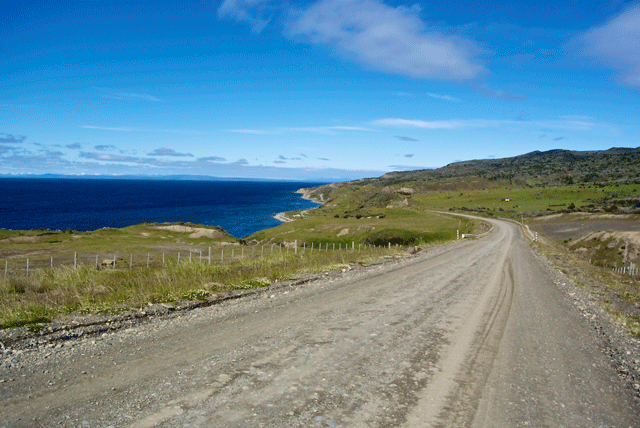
<point x="476" y="333"/>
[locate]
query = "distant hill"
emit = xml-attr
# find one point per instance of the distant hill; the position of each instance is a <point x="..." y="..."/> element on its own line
<point x="553" y="167"/>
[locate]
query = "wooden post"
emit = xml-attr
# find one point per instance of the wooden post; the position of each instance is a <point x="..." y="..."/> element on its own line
<point x="113" y="266"/>
<point x="131" y="262"/>
<point x="200" y="256"/>
<point x="6" y="265"/>
<point x="162" y="259"/>
<point x="147" y="260"/>
<point x="209" y="255"/>
<point x="75" y="260"/>
<point x="27" y="267"/>
<point x="178" y="257"/>
<point x="232" y="250"/>
<point x="189" y="256"/>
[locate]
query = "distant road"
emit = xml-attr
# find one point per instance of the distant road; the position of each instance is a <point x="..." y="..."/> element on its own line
<point x="473" y="333"/>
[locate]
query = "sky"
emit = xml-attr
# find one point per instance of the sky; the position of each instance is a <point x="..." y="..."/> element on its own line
<point x="325" y="90"/>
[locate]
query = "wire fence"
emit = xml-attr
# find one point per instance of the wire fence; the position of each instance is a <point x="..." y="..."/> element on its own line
<point x="631" y="270"/>
<point x="25" y="265"/>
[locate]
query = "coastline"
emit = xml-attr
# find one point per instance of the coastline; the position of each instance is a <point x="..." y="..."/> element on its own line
<point x="282" y="217"/>
<point x="305" y="193"/>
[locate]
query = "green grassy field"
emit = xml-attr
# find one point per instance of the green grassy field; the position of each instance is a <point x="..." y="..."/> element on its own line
<point x="28" y="300"/>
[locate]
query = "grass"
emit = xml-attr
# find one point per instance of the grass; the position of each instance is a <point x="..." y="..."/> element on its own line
<point x="50" y="292"/>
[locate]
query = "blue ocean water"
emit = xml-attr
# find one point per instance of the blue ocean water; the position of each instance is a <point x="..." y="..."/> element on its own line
<point x="240" y="208"/>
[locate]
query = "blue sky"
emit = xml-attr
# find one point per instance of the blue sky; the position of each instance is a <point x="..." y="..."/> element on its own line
<point x="329" y="89"/>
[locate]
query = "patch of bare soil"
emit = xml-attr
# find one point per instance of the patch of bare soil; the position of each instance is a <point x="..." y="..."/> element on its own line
<point x="576" y="225"/>
<point x="195" y="232"/>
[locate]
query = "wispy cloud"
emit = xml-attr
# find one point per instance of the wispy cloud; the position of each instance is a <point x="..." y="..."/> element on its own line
<point x="130" y="129"/>
<point x="103" y="147"/>
<point x="409" y="155"/>
<point x="314" y="129"/>
<point x="443" y="97"/>
<point x="163" y="151"/>
<point x="11" y="139"/>
<point x="406" y="167"/>
<point x="130" y="96"/>
<point x="487" y="92"/>
<point x="390" y="39"/>
<point x="257" y="13"/>
<point x="617" y="45"/>
<point x="253" y="131"/>
<point x="410" y="123"/>
<point x="568" y="123"/>
<point x="212" y="159"/>
<point x="385" y="38"/>
<point x="74" y="146"/>
<point x="403" y="138"/>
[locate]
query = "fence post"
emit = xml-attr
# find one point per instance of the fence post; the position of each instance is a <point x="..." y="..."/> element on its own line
<point x="162" y="259"/>
<point x="131" y="261"/>
<point x="262" y="250"/>
<point x="147" y="260"/>
<point x="232" y="250"/>
<point x="178" y="257"/>
<point x="189" y="256"/>
<point x="200" y="256"/>
<point x="334" y="247"/>
<point x="6" y="265"/>
<point x="114" y="263"/>
<point x="27" y="267"/>
<point x="295" y="246"/>
<point x="52" y="262"/>
<point x="75" y="260"/>
<point x="209" y="255"/>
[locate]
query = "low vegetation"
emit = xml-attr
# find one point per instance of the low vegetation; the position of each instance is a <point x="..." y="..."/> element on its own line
<point x="49" y="292"/>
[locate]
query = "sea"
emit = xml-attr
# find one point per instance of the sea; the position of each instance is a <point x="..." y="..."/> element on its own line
<point x="239" y="207"/>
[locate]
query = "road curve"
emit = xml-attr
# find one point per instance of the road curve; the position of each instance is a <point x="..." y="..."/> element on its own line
<point x="472" y="334"/>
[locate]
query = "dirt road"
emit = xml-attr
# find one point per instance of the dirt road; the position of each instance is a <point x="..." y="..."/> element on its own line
<point x="473" y="333"/>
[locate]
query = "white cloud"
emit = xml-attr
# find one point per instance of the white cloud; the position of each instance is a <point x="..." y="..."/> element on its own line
<point x="128" y="129"/>
<point x="568" y="123"/>
<point x="252" y="131"/>
<point x="316" y="129"/>
<point x="411" y="123"/>
<point x="443" y="97"/>
<point x="130" y="96"/>
<point x="617" y="45"/>
<point x="390" y="39"/>
<point x="257" y="13"/>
